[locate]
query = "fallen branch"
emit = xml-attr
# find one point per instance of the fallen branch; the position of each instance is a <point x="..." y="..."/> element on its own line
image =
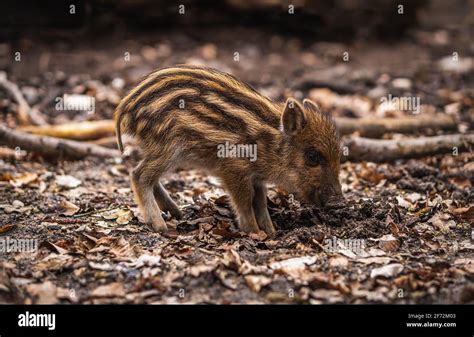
<point x="25" y="114"/>
<point x="53" y="146"/>
<point x="377" y="127"/>
<point x="378" y="150"/>
<point x="109" y="142"/>
<point x="88" y="130"/>
<point x="366" y="127"/>
<point x="6" y="153"/>
<point x="375" y="150"/>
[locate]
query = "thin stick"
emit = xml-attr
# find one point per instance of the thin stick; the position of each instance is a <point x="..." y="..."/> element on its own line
<point x="25" y="114"/>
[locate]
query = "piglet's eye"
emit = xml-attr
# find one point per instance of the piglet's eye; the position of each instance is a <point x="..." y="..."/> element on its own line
<point x="313" y="157"/>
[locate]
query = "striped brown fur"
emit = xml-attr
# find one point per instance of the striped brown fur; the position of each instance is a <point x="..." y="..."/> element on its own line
<point x="180" y="116"/>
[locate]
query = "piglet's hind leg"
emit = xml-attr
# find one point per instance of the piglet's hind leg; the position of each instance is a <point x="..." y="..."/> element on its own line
<point x="165" y="202"/>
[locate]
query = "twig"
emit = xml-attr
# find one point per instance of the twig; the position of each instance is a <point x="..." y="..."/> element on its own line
<point x="95" y="211"/>
<point x="25" y="114"/>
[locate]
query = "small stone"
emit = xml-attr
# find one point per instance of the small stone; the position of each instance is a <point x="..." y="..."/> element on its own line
<point x="17" y="204"/>
<point x="402" y="83"/>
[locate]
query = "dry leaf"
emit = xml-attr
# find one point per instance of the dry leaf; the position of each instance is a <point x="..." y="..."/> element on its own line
<point x="230" y="282"/>
<point x="197" y="270"/>
<point x="257" y="282"/>
<point x="413" y="197"/>
<point x="68" y="208"/>
<point x="16" y="207"/>
<point x="114" y="289"/>
<point x="122" y="250"/>
<point x="67" y="181"/>
<point x="294" y="263"/>
<point x="332" y="296"/>
<point x="55" y="248"/>
<point x="465" y="213"/>
<point x="225" y="233"/>
<point x="145" y="260"/>
<point x="387" y="271"/>
<point x="441" y="222"/>
<point x="101" y="266"/>
<point x="125" y="217"/>
<point x="403" y="203"/>
<point x="389" y="243"/>
<point x="259" y="236"/>
<point x="24" y="179"/>
<point x="231" y="260"/>
<point x="7" y="228"/>
<point x="339" y="261"/>
<point x="55" y="262"/>
<point x="121" y="216"/>
<point x="45" y="293"/>
<point x="374" y="260"/>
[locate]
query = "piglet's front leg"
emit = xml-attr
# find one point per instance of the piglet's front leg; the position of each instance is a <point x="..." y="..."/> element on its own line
<point x="241" y="194"/>
<point x="260" y="208"/>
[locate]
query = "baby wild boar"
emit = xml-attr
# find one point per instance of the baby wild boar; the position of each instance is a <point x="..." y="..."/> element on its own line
<point x="184" y="116"/>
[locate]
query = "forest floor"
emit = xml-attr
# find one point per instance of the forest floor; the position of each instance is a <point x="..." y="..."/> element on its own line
<point x="404" y="235"/>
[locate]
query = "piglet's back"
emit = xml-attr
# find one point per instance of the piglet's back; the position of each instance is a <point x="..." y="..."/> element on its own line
<point x="197" y="104"/>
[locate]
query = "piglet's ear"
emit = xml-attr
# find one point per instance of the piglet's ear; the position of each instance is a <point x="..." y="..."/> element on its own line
<point x="311" y="106"/>
<point x="293" y="118"/>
